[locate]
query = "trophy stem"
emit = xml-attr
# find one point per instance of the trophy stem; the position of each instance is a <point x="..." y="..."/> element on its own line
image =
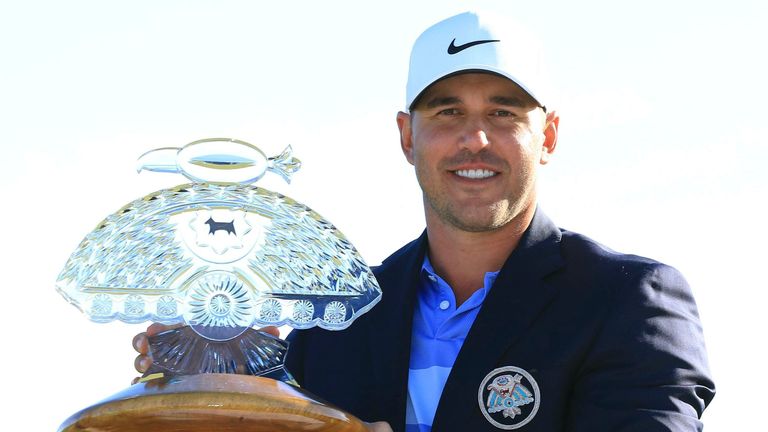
<point x="184" y="351"/>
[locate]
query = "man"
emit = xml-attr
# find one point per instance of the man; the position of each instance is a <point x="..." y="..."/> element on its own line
<point x="494" y="318"/>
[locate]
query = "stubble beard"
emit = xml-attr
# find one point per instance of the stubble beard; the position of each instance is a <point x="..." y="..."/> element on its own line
<point x="490" y="218"/>
<point x="480" y="217"/>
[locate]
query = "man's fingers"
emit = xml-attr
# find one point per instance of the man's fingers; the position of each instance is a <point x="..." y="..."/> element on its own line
<point x="156" y="328"/>
<point x="274" y="331"/>
<point x="141" y="340"/>
<point x="379" y="426"/>
<point x="141" y="343"/>
<point x="142" y="363"/>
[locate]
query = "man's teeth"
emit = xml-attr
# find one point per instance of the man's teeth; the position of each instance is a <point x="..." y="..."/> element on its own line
<point x="475" y="173"/>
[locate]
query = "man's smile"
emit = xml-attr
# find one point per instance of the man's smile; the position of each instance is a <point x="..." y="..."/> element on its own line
<point x="475" y="173"/>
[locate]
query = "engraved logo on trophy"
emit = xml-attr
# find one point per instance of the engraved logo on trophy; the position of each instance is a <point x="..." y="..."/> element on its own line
<point x="218" y="256"/>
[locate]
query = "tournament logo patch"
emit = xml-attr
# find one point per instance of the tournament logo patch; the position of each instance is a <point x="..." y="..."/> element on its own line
<point x="508" y="397"/>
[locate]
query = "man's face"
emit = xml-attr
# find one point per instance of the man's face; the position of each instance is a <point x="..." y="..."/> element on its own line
<point x="476" y="141"/>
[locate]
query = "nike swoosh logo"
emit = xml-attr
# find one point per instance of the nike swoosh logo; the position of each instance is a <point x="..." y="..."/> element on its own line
<point x="453" y="49"/>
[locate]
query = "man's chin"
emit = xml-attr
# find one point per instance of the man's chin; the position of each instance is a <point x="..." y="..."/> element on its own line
<point x="478" y="223"/>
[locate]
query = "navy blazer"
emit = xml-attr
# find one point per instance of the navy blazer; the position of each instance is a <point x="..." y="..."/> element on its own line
<point x="613" y="342"/>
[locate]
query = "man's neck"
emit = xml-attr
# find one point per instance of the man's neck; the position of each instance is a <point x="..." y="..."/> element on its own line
<point x="463" y="258"/>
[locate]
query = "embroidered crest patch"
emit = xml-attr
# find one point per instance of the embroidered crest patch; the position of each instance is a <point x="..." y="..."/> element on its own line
<point x="508" y="397"/>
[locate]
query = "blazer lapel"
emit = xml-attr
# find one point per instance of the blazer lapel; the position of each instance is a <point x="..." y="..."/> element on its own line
<point x="518" y="296"/>
<point x="391" y="344"/>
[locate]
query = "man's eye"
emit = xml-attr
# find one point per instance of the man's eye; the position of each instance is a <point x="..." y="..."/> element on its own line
<point x="503" y="113"/>
<point x="449" y="111"/>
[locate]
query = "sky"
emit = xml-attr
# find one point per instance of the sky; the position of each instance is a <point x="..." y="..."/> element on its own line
<point x="661" y="149"/>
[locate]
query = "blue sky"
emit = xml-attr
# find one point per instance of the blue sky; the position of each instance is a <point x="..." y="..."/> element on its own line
<point x="661" y="148"/>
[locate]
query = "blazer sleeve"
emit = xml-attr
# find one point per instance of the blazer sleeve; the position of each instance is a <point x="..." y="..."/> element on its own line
<point x="647" y="369"/>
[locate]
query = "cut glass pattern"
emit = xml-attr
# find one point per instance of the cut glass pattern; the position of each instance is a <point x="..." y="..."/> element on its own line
<point x="221" y="256"/>
<point x="166" y="306"/>
<point x="134" y="305"/>
<point x="180" y="351"/>
<point x="335" y="311"/>
<point x="271" y="310"/>
<point x="101" y="307"/>
<point x="150" y="251"/>
<point x="303" y="311"/>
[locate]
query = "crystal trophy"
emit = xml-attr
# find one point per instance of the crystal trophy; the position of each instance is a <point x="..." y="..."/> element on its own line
<point x="214" y="259"/>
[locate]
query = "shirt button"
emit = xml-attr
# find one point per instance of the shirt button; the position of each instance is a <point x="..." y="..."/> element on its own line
<point x="432" y="278"/>
<point x="445" y="304"/>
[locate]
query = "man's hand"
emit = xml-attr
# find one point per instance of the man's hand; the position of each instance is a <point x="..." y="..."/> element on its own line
<point x="141" y="344"/>
<point x="379" y="426"/>
<point x="144" y="360"/>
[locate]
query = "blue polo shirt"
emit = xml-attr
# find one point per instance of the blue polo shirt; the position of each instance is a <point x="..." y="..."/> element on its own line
<point x="439" y="330"/>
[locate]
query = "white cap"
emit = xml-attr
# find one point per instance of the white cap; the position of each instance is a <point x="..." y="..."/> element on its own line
<point x="469" y="41"/>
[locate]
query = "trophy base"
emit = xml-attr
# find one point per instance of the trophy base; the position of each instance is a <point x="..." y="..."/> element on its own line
<point x="212" y="402"/>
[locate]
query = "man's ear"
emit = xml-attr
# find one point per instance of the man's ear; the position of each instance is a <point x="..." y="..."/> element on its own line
<point x="406" y="137"/>
<point x="550" y="137"/>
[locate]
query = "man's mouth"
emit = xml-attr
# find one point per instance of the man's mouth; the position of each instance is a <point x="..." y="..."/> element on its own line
<point x="475" y="173"/>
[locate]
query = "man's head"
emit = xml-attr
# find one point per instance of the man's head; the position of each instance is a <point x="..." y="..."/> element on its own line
<point x="476" y="131"/>
<point x="470" y="41"/>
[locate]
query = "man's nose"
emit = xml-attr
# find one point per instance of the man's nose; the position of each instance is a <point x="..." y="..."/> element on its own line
<point x="475" y="138"/>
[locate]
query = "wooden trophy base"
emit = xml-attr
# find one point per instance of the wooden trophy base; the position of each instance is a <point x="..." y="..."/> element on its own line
<point x="212" y="402"/>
